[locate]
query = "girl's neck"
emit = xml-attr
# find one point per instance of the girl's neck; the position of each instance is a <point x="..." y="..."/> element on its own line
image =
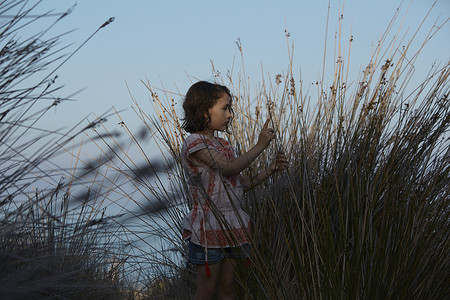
<point x="208" y="133"/>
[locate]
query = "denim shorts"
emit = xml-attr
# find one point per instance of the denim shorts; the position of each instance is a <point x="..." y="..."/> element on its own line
<point x="197" y="253"/>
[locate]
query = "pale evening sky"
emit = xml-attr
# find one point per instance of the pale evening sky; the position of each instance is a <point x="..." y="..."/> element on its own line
<point x="165" y="40"/>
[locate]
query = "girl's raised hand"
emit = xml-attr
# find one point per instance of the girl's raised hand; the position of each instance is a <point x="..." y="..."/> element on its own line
<point x="266" y="135"/>
<point x="278" y="163"/>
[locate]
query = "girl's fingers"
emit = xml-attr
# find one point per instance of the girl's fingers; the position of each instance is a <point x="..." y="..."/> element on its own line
<point x="266" y="125"/>
<point x="281" y="160"/>
<point x="281" y="155"/>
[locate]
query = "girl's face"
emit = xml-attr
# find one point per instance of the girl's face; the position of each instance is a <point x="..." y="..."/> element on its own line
<point x="220" y="113"/>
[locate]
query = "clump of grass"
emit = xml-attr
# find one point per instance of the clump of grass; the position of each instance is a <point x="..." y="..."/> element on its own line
<point x="49" y="250"/>
<point x="48" y="247"/>
<point x="362" y="211"/>
<point x="364" y="208"/>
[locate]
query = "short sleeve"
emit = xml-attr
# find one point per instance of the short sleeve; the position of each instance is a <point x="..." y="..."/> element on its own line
<point x="192" y="144"/>
<point x="196" y="142"/>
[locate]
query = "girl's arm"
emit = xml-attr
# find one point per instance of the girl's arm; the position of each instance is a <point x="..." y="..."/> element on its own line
<point x="214" y="159"/>
<point x="279" y="163"/>
<point x="248" y="183"/>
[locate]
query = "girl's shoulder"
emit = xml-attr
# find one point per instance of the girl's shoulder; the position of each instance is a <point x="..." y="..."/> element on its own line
<point x="195" y="142"/>
<point x="196" y="137"/>
<point x="224" y="142"/>
<point x="192" y="137"/>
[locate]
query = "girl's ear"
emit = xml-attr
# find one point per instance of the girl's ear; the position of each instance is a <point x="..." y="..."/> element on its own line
<point x="207" y="114"/>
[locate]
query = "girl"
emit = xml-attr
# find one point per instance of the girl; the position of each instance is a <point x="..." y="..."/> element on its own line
<point x="216" y="227"/>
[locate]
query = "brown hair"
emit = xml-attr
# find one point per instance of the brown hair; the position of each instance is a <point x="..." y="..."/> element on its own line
<point x="200" y="97"/>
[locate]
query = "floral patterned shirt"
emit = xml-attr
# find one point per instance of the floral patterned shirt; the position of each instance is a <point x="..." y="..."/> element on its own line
<point x="216" y="219"/>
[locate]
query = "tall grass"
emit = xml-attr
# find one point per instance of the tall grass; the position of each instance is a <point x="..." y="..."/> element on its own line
<point x="361" y="213"/>
<point x="51" y="245"/>
<point x="50" y="251"/>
